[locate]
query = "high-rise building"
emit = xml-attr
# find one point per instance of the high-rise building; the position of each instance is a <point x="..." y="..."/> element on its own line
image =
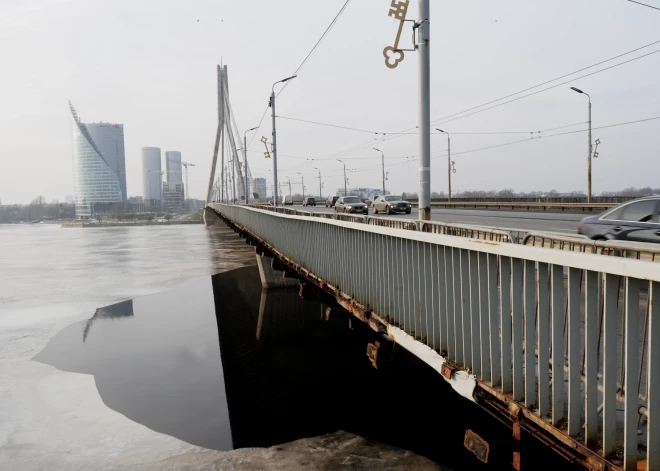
<point x="173" y="166"/>
<point x="99" y="180"/>
<point x="152" y="186"/>
<point x="109" y="138"/>
<point x="173" y="201"/>
<point x="260" y="187"/>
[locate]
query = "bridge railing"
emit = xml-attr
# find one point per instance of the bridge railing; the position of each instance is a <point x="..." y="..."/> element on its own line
<point x="636" y="250"/>
<point x="475" y="232"/>
<point x="571" y="338"/>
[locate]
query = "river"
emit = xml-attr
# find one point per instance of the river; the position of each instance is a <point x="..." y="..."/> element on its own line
<point x="154" y="347"/>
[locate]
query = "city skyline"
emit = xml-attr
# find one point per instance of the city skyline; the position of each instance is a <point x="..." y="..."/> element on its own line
<point x="504" y="49"/>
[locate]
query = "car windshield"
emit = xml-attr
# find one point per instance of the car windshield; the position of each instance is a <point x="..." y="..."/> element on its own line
<point x="352" y="199"/>
<point x="392" y="198"/>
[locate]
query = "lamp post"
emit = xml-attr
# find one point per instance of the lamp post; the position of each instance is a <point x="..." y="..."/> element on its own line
<point x="383" y="162"/>
<point x="272" y="106"/>
<point x="245" y="160"/>
<point x="320" y="191"/>
<point x="345" y="190"/>
<point x="448" y="161"/>
<point x="589" y="156"/>
<point x="302" y="177"/>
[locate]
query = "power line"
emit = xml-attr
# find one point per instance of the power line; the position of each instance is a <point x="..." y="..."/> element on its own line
<point x="444" y="120"/>
<point x="257" y="130"/>
<point x="327" y="30"/>
<point x="548" y="136"/>
<point x="555" y="79"/>
<point x="435" y="122"/>
<point x="640" y="3"/>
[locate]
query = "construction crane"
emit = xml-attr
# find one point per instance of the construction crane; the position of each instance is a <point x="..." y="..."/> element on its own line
<point x="186" y="164"/>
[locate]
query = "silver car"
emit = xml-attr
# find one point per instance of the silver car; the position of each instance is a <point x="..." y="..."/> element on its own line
<point x="390" y="204"/>
<point x="351" y="204"/>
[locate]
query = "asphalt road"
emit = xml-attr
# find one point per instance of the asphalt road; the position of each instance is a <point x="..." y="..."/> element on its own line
<point x="526" y="220"/>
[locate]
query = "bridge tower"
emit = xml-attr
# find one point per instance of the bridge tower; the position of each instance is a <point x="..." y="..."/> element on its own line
<point x="227" y="129"/>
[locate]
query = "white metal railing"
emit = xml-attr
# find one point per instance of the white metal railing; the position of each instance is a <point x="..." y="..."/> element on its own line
<point x="500" y="311"/>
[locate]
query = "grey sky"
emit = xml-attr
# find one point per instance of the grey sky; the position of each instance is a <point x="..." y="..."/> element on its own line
<point x="151" y="65"/>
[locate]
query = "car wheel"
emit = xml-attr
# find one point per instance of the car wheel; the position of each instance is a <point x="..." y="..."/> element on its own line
<point x="408" y="212"/>
<point x="389" y="211"/>
<point x="375" y="210"/>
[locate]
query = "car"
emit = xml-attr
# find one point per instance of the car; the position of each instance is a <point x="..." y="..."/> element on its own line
<point x="287" y="200"/>
<point x="391" y="204"/>
<point x="309" y="201"/>
<point x="635" y="220"/>
<point x="351" y="204"/>
<point x="330" y="202"/>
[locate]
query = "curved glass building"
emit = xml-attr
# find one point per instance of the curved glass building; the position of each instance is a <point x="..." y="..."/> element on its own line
<point x="98" y="179"/>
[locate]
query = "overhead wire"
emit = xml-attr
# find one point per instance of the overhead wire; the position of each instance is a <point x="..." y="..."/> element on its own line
<point x="327" y="30"/>
<point x="644" y="4"/>
<point x="548" y="136"/>
<point x="436" y="122"/>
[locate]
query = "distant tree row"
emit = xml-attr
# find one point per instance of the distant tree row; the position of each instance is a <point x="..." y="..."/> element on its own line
<point x="37" y="210"/>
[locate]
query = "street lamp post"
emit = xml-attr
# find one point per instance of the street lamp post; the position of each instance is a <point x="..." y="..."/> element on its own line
<point x="383" y="165"/>
<point x="320" y="191"/>
<point x="590" y="148"/>
<point x="302" y="177"/>
<point x="345" y="190"/>
<point x="448" y="162"/>
<point x="272" y="105"/>
<point x="245" y="159"/>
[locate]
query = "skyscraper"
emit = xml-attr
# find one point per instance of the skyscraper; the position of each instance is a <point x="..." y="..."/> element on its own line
<point x="99" y="173"/>
<point x="152" y="182"/>
<point x="173" y="166"/>
<point x="109" y="138"/>
<point x="260" y="187"/>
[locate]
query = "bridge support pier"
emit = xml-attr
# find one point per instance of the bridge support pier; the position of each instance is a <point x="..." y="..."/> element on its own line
<point x="271" y="278"/>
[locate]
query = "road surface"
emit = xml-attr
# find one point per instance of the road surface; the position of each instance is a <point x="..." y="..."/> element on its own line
<point x="526" y="220"/>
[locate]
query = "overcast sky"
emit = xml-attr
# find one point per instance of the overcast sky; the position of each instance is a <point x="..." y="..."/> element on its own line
<point x="151" y="65"/>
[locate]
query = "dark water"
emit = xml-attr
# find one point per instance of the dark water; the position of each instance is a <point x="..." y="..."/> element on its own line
<point x="217" y="362"/>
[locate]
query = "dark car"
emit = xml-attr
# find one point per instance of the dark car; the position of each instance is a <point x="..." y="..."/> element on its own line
<point x="391" y="204"/>
<point x="351" y="204"/>
<point x="309" y="201"/>
<point x="331" y="201"/>
<point x="634" y="221"/>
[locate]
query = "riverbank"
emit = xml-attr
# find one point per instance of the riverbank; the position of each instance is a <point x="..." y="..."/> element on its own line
<point x="80" y="224"/>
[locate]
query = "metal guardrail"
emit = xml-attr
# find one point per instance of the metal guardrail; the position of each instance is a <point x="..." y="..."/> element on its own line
<point x="475" y="232"/>
<point x="394" y="223"/>
<point x="615" y="248"/>
<point x="583" y="207"/>
<point x="501" y="312"/>
<point x="572" y="243"/>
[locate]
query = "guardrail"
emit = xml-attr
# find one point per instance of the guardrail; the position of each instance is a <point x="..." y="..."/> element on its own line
<point x="561" y="336"/>
<point x="574" y="207"/>
<point x="573" y="243"/>
<point x="475" y="232"/>
<point x="637" y="250"/>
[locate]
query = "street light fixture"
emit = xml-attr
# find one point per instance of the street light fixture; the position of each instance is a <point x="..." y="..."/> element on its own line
<point x="449" y="170"/>
<point x="589" y="147"/>
<point x="345" y="190"/>
<point x="320" y="185"/>
<point x="272" y="105"/>
<point x="383" y="162"/>
<point x="245" y="159"/>
<point x="302" y="177"/>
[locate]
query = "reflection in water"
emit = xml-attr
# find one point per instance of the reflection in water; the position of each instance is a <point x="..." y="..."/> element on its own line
<point x="115" y="311"/>
<point x="218" y="363"/>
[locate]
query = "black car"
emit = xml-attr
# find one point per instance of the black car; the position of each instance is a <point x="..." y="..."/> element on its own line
<point x="634" y="221"/>
<point x="330" y="202"/>
<point x="309" y="201"/>
<point x="351" y="204"/>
